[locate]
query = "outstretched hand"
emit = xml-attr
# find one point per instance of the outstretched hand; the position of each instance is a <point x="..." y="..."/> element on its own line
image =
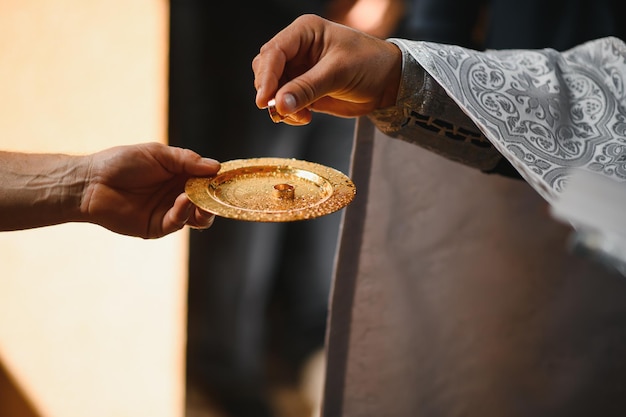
<point x="317" y="65"/>
<point x="138" y="190"/>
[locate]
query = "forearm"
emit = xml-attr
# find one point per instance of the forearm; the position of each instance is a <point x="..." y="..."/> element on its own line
<point x="40" y="189"/>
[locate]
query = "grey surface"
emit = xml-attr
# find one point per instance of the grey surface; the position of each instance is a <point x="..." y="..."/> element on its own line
<point x="455" y="295"/>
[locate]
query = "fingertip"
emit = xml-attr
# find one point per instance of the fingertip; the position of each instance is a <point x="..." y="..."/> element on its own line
<point x="211" y="163"/>
<point x="260" y="99"/>
<point x="201" y="219"/>
<point x="290" y="103"/>
<point x="300" y="118"/>
<point x="288" y="113"/>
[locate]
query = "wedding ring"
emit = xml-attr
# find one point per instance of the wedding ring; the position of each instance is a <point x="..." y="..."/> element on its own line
<point x="274" y="115"/>
<point x="283" y="191"/>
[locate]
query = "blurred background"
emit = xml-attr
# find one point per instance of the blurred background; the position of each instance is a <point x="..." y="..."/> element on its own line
<point x="91" y="323"/>
<point x="258" y="292"/>
<point x="225" y="323"/>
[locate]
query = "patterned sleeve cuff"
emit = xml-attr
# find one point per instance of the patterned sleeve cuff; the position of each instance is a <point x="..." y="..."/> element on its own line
<point x="425" y="115"/>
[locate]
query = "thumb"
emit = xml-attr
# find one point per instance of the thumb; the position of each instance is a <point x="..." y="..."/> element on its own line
<point x="303" y="91"/>
<point x="195" y="165"/>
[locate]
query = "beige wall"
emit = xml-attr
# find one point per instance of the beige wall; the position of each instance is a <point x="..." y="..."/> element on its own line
<point x="91" y="323"/>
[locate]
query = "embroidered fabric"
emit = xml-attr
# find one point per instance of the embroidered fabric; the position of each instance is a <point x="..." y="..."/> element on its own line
<point x="545" y="112"/>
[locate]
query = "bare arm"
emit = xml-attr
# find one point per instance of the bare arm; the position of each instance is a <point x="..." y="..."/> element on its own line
<point x="40" y="189"/>
<point x="134" y="190"/>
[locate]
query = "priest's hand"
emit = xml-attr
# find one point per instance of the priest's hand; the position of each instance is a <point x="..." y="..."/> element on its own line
<point x="320" y="66"/>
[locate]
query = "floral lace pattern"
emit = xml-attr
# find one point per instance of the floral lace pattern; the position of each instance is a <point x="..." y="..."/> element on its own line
<point x="546" y="112"/>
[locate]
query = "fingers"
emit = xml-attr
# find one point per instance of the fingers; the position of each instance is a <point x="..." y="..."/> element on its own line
<point x="184" y="212"/>
<point x="315" y="65"/>
<point x="303" y="117"/>
<point x="181" y="161"/>
<point x="190" y="163"/>
<point x="287" y="57"/>
<point x="176" y="217"/>
<point x="268" y="67"/>
<point x="200" y="219"/>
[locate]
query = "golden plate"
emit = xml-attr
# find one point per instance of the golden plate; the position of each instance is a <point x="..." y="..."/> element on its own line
<point x="272" y="190"/>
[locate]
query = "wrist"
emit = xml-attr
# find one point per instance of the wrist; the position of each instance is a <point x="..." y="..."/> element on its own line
<point x="58" y="186"/>
<point x="76" y="174"/>
<point x="394" y="77"/>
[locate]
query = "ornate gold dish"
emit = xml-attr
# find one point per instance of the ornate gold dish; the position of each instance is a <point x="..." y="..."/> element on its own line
<point x="272" y="190"/>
